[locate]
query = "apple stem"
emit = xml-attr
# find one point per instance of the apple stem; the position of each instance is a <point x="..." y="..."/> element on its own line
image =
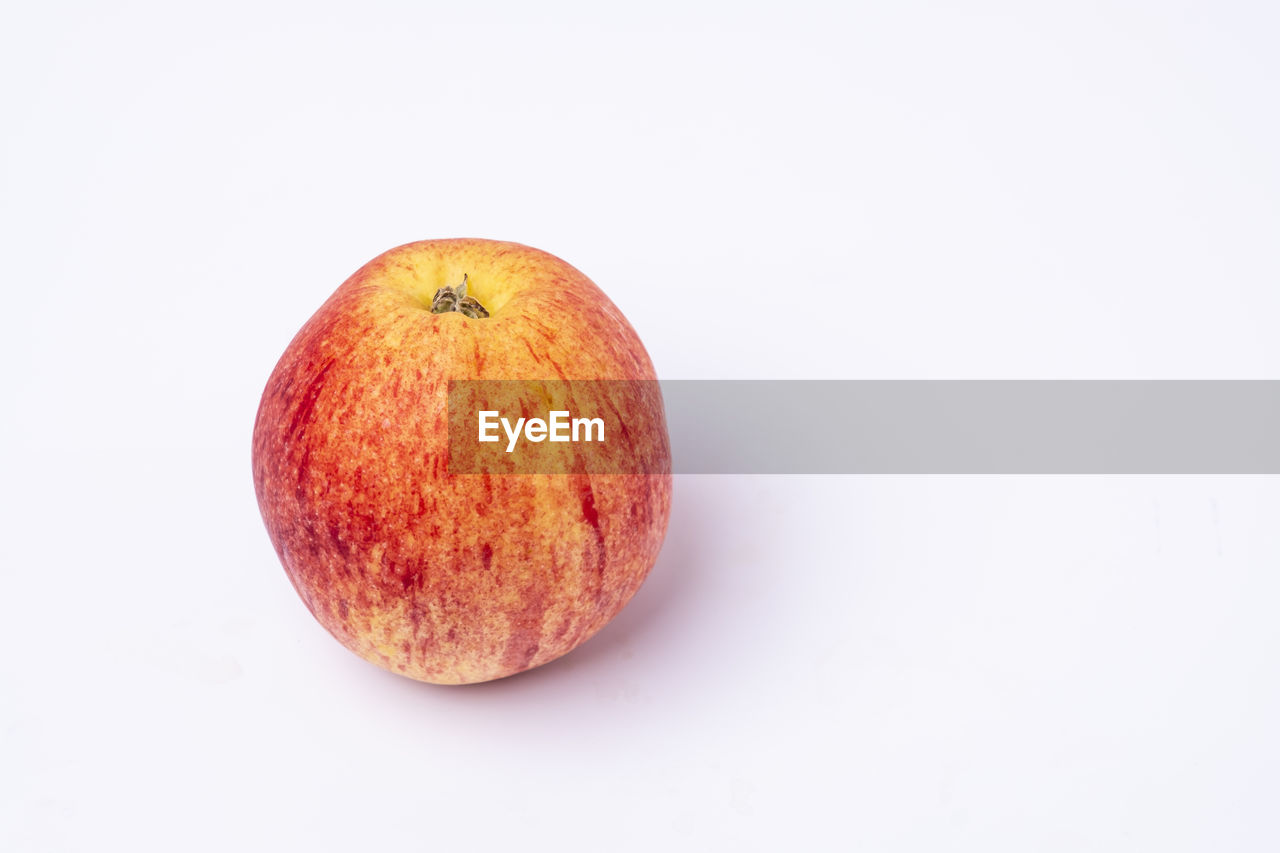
<point x="449" y="299"/>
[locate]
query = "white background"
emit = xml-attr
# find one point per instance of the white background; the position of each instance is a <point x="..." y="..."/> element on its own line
<point x="982" y="190"/>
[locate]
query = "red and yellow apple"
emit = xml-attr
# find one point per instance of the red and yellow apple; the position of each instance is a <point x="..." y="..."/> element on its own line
<point x="445" y="577"/>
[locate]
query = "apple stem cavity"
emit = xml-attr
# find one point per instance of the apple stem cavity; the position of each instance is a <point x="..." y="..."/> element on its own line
<point x="450" y="299"/>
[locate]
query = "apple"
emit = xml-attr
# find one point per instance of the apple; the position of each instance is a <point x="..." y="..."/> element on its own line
<point x="444" y="577"/>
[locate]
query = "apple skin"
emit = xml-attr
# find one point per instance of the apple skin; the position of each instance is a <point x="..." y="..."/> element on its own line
<point x="452" y="579"/>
